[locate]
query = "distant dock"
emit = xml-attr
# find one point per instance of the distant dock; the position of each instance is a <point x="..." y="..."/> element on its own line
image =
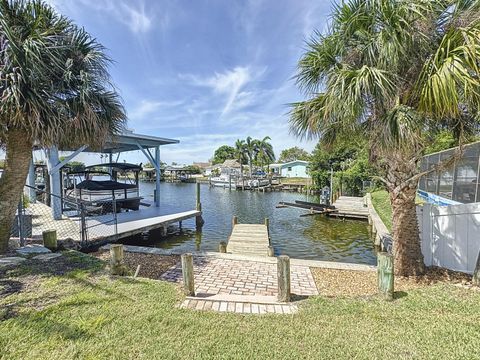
<point x="350" y="207"/>
<point x="345" y="207"/>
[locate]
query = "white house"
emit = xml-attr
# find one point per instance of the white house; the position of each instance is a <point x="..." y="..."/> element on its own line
<point x="296" y="168"/>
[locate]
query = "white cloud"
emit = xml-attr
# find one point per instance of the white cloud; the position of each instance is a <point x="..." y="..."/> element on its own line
<point x="229" y="83"/>
<point x="134" y="17"/>
<point x="149" y="107"/>
<point x="130" y="13"/>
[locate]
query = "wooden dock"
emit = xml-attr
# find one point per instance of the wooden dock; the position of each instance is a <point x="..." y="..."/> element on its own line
<point x="102" y="228"/>
<point x="350" y="207"/>
<point x="250" y="239"/>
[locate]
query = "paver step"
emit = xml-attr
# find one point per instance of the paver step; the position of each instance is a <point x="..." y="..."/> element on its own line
<point x="238" y="306"/>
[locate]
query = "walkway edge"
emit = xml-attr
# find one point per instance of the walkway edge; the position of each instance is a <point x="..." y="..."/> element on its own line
<point x="268" y="260"/>
<point x="383" y="238"/>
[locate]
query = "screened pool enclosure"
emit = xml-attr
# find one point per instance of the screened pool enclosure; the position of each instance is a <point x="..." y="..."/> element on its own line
<point x="457" y="184"/>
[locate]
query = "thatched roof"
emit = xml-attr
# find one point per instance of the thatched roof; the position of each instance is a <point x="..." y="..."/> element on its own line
<point x="231" y="163"/>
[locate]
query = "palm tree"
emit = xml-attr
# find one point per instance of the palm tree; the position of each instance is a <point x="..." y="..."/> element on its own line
<point x="392" y="71"/>
<point x="240" y="154"/>
<point x="251" y="149"/>
<point x="54" y="90"/>
<point x="265" y="153"/>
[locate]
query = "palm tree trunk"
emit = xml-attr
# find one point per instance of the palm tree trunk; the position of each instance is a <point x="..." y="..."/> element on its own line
<point x="250" y="166"/>
<point x="17" y="161"/>
<point x="406" y="240"/>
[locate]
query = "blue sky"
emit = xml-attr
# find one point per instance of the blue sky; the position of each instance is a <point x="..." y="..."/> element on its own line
<point x="205" y="72"/>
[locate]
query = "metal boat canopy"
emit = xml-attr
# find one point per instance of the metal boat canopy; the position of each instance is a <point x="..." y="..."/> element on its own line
<point x="127" y="141"/>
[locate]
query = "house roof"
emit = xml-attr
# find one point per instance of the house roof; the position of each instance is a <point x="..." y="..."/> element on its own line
<point x="302" y="162"/>
<point x="231" y="163"/>
<point x="202" y="165"/>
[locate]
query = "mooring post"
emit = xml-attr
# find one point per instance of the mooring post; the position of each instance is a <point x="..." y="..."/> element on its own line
<point x="116" y="259"/>
<point x="271" y="251"/>
<point x="234" y="221"/>
<point x="187" y="272"/>
<point x="222" y="247"/>
<point x="50" y="239"/>
<point x="385" y="275"/>
<point x="283" y="274"/>
<point x="476" y="272"/>
<point x="199" y="204"/>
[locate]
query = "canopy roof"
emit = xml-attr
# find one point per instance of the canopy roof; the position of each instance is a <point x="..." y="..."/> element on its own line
<point x="128" y="141"/>
<point x="117" y="166"/>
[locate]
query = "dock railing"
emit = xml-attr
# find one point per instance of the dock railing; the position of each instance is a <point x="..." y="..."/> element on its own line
<point x="79" y="222"/>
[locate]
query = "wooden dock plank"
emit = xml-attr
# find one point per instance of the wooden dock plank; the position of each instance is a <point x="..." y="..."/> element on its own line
<point x="249" y="239"/>
<point x="350" y="207"/>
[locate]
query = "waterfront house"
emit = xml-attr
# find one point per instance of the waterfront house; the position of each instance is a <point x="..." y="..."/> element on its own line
<point x="230" y="166"/>
<point x="203" y="166"/>
<point x="296" y="168"/>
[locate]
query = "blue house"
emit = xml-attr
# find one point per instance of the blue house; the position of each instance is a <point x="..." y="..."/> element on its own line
<point x="296" y="168"/>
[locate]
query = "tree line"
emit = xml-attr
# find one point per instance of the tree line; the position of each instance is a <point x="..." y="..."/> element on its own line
<point x="258" y="152"/>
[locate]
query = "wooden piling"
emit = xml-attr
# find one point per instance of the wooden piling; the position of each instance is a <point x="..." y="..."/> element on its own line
<point x="234" y="221"/>
<point x="199" y="222"/>
<point x="283" y="274"/>
<point x="385" y="275"/>
<point x="222" y="247"/>
<point x="271" y="251"/>
<point x="187" y="272"/>
<point x="50" y="239"/>
<point x="116" y="259"/>
<point x="476" y="272"/>
<point x="199" y="204"/>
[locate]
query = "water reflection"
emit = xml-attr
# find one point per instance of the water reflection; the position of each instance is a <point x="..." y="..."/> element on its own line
<point x="312" y="237"/>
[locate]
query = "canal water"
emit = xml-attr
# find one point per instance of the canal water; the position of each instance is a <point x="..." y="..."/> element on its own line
<point x="312" y="237"/>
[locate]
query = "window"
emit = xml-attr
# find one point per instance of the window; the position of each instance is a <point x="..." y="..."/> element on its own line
<point x="289" y="168"/>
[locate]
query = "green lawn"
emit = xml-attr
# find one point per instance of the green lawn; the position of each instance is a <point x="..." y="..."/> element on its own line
<point x="381" y="203"/>
<point x="85" y="314"/>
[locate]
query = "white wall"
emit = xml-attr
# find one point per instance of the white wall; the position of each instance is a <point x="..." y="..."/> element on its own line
<point x="450" y="235"/>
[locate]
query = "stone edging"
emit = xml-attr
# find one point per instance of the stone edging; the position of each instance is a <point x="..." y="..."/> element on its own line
<point x="383" y="238"/>
<point x="269" y="260"/>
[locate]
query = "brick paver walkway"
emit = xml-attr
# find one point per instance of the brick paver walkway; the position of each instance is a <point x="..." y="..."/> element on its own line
<point x="235" y="277"/>
<point x="238" y="307"/>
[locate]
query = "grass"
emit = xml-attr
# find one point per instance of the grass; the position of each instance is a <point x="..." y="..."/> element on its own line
<point x="381" y="203"/>
<point x="295" y="181"/>
<point x="86" y="314"/>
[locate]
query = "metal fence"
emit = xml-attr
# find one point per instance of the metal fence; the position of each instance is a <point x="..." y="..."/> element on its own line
<point x="460" y="182"/>
<point x="77" y="222"/>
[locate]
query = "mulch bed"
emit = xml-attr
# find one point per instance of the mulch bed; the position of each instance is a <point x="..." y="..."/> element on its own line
<point x="152" y="266"/>
<point x="332" y="282"/>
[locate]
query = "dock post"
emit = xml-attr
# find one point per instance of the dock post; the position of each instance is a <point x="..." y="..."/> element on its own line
<point x="187" y="272"/>
<point x="198" y="219"/>
<point x="199" y="204"/>
<point x="116" y="259"/>
<point x="283" y="274"/>
<point x="50" y="239"/>
<point x="222" y="247"/>
<point x="234" y="221"/>
<point x="385" y="275"/>
<point x="271" y="251"/>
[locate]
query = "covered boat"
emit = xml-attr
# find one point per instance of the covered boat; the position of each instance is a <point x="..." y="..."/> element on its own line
<point x="99" y="185"/>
